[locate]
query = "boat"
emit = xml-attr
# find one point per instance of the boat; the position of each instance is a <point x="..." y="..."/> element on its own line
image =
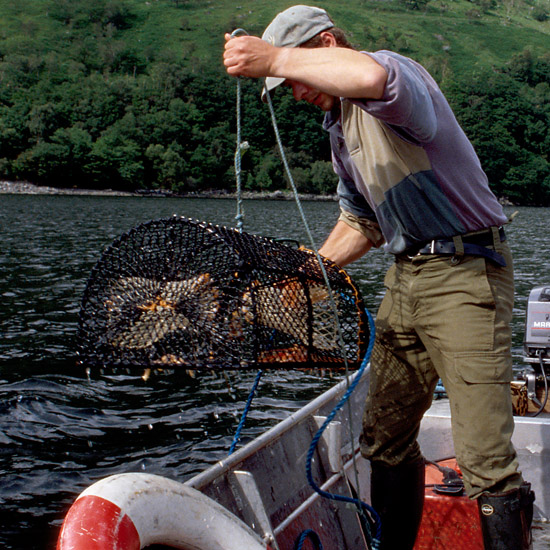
<point x="304" y="479"/>
<point x="259" y="496"/>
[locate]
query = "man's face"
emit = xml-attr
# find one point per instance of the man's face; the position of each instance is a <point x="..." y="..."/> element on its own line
<point x="301" y="91"/>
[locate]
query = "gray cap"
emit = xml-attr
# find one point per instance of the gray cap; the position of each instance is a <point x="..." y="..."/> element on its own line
<point x="291" y="28"/>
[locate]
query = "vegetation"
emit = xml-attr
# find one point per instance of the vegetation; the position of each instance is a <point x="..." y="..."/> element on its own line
<point x="131" y="94"/>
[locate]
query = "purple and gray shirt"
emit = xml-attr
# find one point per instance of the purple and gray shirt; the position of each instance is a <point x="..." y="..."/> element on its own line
<point x="405" y="163"/>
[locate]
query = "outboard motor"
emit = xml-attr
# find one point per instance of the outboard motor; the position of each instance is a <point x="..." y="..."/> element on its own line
<point x="536" y="343"/>
<point x="533" y="383"/>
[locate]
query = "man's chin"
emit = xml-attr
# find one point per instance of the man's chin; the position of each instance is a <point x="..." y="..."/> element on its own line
<point x="326" y="105"/>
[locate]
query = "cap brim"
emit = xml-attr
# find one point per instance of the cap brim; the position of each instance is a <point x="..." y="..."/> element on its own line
<point x="271" y="82"/>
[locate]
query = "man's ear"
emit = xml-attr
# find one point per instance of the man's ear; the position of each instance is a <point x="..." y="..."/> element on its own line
<point x="328" y="39"/>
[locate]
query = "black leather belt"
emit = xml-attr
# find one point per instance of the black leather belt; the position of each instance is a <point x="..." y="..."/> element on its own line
<point x="475" y="244"/>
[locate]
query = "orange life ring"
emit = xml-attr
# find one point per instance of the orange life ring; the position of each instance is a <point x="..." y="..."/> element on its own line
<point x="134" y="510"/>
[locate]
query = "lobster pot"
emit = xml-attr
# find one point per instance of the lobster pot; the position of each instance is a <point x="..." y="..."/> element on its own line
<point x="182" y="293"/>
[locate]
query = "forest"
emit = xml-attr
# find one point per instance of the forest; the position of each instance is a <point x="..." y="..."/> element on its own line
<point x="131" y="95"/>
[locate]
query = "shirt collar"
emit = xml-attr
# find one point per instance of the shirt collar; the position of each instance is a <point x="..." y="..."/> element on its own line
<point x="332" y="116"/>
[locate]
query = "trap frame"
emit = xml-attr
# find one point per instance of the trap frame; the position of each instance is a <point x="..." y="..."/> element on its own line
<point x="181" y="293"/>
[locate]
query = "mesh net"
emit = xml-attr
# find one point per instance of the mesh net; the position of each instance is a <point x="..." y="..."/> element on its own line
<point x="182" y="293"/>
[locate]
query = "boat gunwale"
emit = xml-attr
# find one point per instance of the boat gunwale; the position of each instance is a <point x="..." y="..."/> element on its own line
<point x="227" y="464"/>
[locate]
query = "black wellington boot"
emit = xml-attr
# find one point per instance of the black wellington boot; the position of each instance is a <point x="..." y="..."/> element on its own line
<point x="506" y="518"/>
<point x="397" y="495"/>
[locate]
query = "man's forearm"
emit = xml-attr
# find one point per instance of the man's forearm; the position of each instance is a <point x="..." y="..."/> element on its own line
<point x="345" y="244"/>
<point x="341" y="72"/>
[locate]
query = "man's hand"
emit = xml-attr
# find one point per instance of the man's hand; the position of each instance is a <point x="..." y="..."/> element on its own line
<point x="345" y="245"/>
<point x="248" y="56"/>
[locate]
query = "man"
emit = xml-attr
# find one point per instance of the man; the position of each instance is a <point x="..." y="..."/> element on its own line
<point x="410" y="180"/>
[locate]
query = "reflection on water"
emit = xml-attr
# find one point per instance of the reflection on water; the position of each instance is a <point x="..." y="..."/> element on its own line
<point x="62" y="430"/>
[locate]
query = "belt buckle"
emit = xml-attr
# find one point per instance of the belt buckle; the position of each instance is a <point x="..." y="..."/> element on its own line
<point x="431" y="246"/>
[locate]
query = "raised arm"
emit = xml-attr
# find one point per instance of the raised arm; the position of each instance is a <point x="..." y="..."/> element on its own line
<point x="341" y="72"/>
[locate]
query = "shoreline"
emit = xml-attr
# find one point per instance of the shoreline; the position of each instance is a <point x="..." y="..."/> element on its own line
<point x="26" y="188"/>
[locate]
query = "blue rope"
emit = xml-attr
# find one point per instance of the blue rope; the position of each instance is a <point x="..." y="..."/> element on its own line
<point x="362" y="506"/>
<point x="312" y="535"/>
<point x="237" y="437"/>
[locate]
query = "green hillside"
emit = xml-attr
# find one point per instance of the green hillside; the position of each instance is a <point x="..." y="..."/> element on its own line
<point x="132" y="94"/>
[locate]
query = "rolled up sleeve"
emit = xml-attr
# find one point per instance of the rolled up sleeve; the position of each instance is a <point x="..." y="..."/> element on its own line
<point x="356" y="212"/>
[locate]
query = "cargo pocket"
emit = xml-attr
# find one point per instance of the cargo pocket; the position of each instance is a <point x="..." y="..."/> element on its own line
<point x="483" y="368"/>
<point x="481" y="411"/>
<point x="480" y="395"/>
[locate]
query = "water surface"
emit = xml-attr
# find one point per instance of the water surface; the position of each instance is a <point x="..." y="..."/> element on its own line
<point x="62" y="430"/>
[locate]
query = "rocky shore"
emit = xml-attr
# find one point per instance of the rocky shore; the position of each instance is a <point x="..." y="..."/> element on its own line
<point x="26" y="188"/>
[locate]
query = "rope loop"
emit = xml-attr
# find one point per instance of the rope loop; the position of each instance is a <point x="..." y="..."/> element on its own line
<point x="363" y="509"/>
<point x="312" y="535"/>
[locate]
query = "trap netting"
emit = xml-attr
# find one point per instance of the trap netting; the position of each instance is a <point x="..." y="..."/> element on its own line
<point x="183" y="293"/>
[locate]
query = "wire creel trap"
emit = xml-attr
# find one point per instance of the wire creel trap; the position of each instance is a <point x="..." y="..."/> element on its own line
<point x="182" y="293"/>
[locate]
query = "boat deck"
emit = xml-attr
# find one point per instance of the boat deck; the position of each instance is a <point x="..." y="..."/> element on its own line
<point x="531" y="439"/>
<point x="541" y="535"/>
<point x="264" y="484"/>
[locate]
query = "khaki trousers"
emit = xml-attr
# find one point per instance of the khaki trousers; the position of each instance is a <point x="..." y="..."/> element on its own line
<point x="448" y="319"/>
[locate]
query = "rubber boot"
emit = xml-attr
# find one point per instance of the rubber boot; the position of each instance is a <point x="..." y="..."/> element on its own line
<point x="506" y="519"/>
<point x="397" y="495"/>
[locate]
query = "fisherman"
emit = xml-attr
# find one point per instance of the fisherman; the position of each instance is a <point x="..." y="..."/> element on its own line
<point x="410" y="180"/>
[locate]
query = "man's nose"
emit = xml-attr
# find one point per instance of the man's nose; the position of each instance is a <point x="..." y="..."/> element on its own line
<point x="299" y="90"/>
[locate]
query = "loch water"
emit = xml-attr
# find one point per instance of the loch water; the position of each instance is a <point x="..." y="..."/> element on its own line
<point x="62" y="428"/>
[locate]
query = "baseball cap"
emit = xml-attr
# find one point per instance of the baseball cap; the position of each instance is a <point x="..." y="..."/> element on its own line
<point x="291" y="28"/>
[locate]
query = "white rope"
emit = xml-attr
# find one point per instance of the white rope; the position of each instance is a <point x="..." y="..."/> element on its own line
<point x="306" y="225"/>
<point x="321" y="265"/>
<point x="242" y="146"/>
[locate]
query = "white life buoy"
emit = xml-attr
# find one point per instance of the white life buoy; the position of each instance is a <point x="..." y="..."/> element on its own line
<point x="132" y="511"/>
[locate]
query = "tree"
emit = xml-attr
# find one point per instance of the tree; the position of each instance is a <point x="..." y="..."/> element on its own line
<point x="508" y="126"/>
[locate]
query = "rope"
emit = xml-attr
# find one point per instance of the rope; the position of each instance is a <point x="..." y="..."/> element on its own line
<point x="237" y="436"/>
<point x="318" y="257"/>
<point x="308" y="533"/>
<point x="308" y="231"/>
<point x="242" y="146"/>
<point x="362" y="507"/>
